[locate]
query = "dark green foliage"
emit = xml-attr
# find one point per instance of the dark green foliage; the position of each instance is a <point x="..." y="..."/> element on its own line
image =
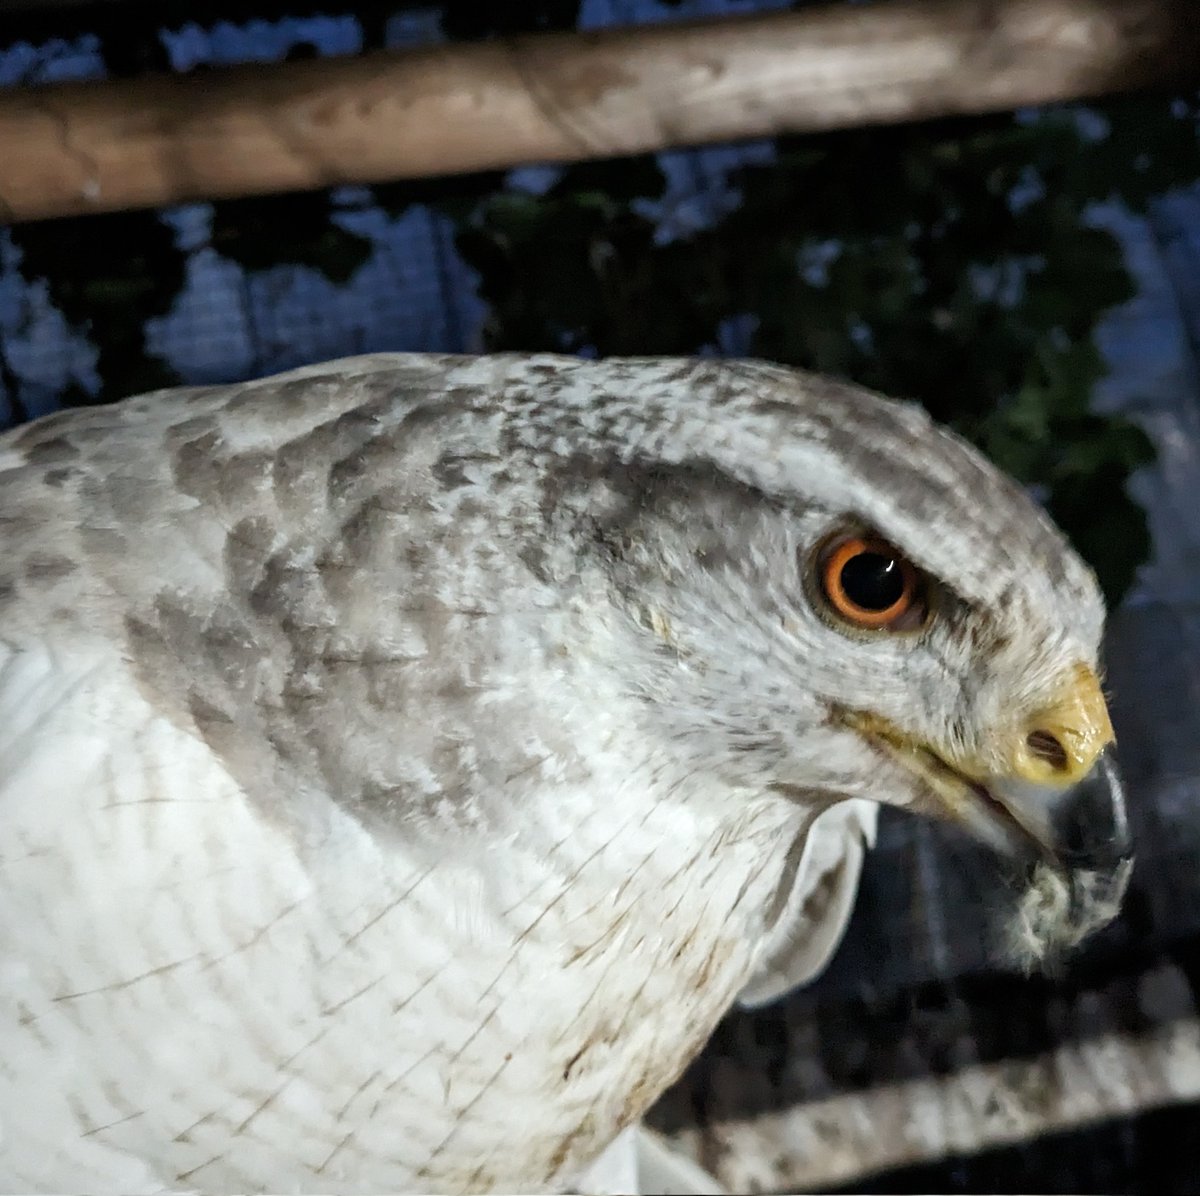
<point x="107" y="278"/>
<point x="464" y="20"/>
<point x="950" y="262"/>
<point x="578" y="267"/>
<point x="258" y="234"/>
<point x="456" y="197"/>
<point x="111" y="274"/>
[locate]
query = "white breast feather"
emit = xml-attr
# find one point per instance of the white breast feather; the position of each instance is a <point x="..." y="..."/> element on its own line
<point x="189" y="1003"/>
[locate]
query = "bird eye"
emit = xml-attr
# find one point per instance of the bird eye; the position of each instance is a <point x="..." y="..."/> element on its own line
<point x="870" y="584"/>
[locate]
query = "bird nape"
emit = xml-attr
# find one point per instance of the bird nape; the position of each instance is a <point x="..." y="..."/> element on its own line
<point x="406" y="761"/>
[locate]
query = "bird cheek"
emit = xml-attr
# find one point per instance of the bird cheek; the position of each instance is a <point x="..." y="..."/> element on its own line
<point x="861" y="769"/>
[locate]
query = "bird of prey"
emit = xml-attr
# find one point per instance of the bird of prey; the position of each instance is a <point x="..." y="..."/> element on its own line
<point x="406" y="761"/>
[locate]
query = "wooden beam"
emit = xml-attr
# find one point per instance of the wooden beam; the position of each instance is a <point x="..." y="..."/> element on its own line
<point x="840" y="1140"/>
<point x="69" y="149"/>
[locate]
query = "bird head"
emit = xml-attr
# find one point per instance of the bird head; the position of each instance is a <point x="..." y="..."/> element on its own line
<point x="832" y="597"/>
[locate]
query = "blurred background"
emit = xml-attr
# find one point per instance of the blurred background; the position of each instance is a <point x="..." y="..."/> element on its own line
<point x="1031" y="276"/>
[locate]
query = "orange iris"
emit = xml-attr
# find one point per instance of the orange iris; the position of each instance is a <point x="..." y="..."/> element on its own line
<point x="870" y="585"/>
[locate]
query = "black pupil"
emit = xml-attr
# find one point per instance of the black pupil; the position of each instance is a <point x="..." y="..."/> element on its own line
<point x="873" y="581"/>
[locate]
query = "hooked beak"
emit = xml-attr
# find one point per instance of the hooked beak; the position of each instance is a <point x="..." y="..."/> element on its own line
<point x="1048" y="796"/>
<point x="1077" y="855"/>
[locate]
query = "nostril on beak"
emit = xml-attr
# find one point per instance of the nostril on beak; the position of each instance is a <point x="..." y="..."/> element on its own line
<point x="1047" y="746"/>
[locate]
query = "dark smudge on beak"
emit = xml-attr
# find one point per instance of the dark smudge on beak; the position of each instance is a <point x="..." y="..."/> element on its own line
<point x="1077" y="885"/>
<point x="1090" y="827"/>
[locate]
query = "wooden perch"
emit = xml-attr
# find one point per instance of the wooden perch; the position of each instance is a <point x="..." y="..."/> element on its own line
<point x="67" y="149"/>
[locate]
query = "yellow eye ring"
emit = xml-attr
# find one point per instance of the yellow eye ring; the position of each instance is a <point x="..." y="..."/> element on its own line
<point x="870" y="585"/>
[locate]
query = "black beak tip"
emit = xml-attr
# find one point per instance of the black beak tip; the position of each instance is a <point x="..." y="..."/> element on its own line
<point x="1091" y="828"/>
